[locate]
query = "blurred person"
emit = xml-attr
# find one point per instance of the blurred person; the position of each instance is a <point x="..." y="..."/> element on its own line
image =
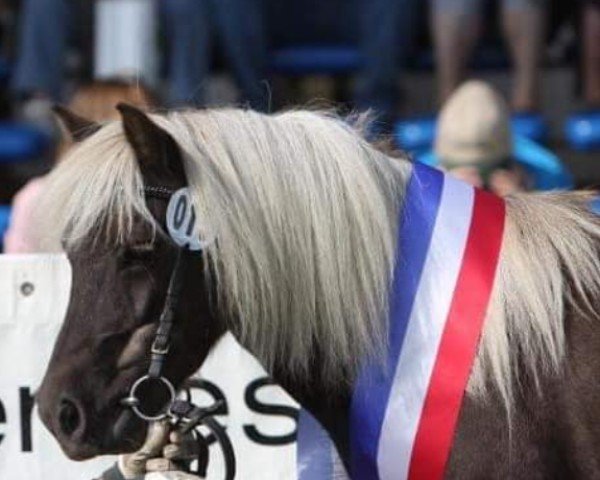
<point x="387" y="32"/>
<point x="189" y="24"/>
<point x="474" y="140"/>
<point x="38" y="72"/>
<point x="582" y="126"/>
<point x="95" y="101"/>
<point x="456" y="27"/>
<point x="238" y="25"/>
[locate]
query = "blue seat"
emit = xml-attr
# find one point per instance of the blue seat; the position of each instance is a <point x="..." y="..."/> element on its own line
<point x="530" y="125"/>
<point x="582" y="131"/>
<point x="316" y="59"/>
<point x="307" y="37"/>
<point x="4" y="221"/>
<point x="415" y="134"/>
<point x="485" y="57"/>
<point x="20" y="142"/>
<point x="545" y="168"/>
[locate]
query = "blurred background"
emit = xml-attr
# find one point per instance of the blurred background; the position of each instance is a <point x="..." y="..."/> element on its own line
<point x="401" y="59"/>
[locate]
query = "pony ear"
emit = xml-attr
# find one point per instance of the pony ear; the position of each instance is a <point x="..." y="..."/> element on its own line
<point x="156" y="150"/>
<point x="78" y="127"/>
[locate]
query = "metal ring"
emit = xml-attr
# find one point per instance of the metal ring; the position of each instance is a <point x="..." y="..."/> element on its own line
<point x="134" y="401"/>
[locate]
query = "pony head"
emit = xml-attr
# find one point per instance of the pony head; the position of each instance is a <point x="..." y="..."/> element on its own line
<point x="119" y="291"/>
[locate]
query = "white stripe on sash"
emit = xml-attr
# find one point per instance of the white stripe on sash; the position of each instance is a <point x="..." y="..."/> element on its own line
<point x="424" y="330"/>
<point x="314" y="449"/>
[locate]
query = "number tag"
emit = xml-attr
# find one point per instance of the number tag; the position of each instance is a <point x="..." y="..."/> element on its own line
<point x="181" y="221"/>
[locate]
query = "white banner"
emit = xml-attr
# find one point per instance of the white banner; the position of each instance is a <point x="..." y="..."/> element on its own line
<point x="34" y="292"/>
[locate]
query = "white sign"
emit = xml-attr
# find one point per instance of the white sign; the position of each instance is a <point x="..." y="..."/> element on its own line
<point x="182" y="223"/>
<point x="35" y="290"/>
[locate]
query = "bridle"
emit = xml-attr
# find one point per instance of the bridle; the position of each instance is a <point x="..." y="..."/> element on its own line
<point x="182" y="413"/>
<point x="160" y="348"/>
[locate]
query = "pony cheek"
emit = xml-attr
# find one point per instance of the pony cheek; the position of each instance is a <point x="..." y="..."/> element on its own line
<point x="139" y="286"/>
<point x="137" y="347"/>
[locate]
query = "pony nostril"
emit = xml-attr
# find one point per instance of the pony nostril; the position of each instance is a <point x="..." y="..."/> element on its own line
<point x="69" y="417"/>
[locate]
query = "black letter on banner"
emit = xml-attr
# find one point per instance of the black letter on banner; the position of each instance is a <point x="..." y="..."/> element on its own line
<point x="2" y="418"/>
<point x="26" y="401"/>
<point x="279" y="410"/>
<point x="216" y="393"/>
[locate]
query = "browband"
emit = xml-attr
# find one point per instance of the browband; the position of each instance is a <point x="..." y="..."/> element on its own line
<point x="159" y="192"/>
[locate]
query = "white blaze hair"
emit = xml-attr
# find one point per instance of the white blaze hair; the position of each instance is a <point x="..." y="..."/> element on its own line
<point x="305" y="212"/>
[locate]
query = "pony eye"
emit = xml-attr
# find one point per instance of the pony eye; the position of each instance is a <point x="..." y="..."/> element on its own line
<point x="137" y="252"/>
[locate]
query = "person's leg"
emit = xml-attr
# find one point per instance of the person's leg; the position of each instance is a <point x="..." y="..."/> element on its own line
<point x="456" y="26"/>
<point x="41" y="48"/>
<point x="241" y="29"/>
<point x="187" y="29"/>
<point x="591" y="54"/>
<point x="524" y="26"/>
<point x="387" y="34"/>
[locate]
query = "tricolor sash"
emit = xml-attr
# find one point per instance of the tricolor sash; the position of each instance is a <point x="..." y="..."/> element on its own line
<point x="403" y="416"/>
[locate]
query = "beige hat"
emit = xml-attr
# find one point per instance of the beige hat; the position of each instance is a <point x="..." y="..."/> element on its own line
<point x="474" y="127"/>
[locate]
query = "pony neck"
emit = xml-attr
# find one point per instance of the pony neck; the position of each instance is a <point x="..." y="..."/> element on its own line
<point x="329" y="407"/>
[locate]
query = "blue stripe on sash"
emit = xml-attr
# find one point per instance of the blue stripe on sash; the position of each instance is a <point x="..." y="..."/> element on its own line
<point x="372" y="389"/>
<point x="314" y="455"/>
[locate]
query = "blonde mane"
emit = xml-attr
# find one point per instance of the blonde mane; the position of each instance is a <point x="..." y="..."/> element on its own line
<point x="549" y="268"/>
<point x="305" y="212"/>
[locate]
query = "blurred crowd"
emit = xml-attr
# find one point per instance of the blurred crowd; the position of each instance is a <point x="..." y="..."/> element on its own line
<point x="64" y="51"/>
<point x="247" y="34"/>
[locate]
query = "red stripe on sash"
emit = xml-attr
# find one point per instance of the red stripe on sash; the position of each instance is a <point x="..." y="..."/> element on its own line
<point x="460" y="340"/>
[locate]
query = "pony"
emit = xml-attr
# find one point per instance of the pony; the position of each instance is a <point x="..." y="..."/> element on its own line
<point x="299" y="213"/>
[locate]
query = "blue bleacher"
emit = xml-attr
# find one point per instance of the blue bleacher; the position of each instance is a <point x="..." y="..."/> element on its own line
<point x="530" y="125"/>
<point x="415" y="134"/>
<point x="341" y="59"/>
<point x="582" y="131"/>
<point x="315" y="60"/>
<point x="4" y="219"/>
<point x="307" y="37"/>
<point x="20" y="142"/>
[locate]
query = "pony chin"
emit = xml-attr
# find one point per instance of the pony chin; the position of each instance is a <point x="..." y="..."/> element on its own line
<point x="80" y="452"/>
<point x="128" y="441"/>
